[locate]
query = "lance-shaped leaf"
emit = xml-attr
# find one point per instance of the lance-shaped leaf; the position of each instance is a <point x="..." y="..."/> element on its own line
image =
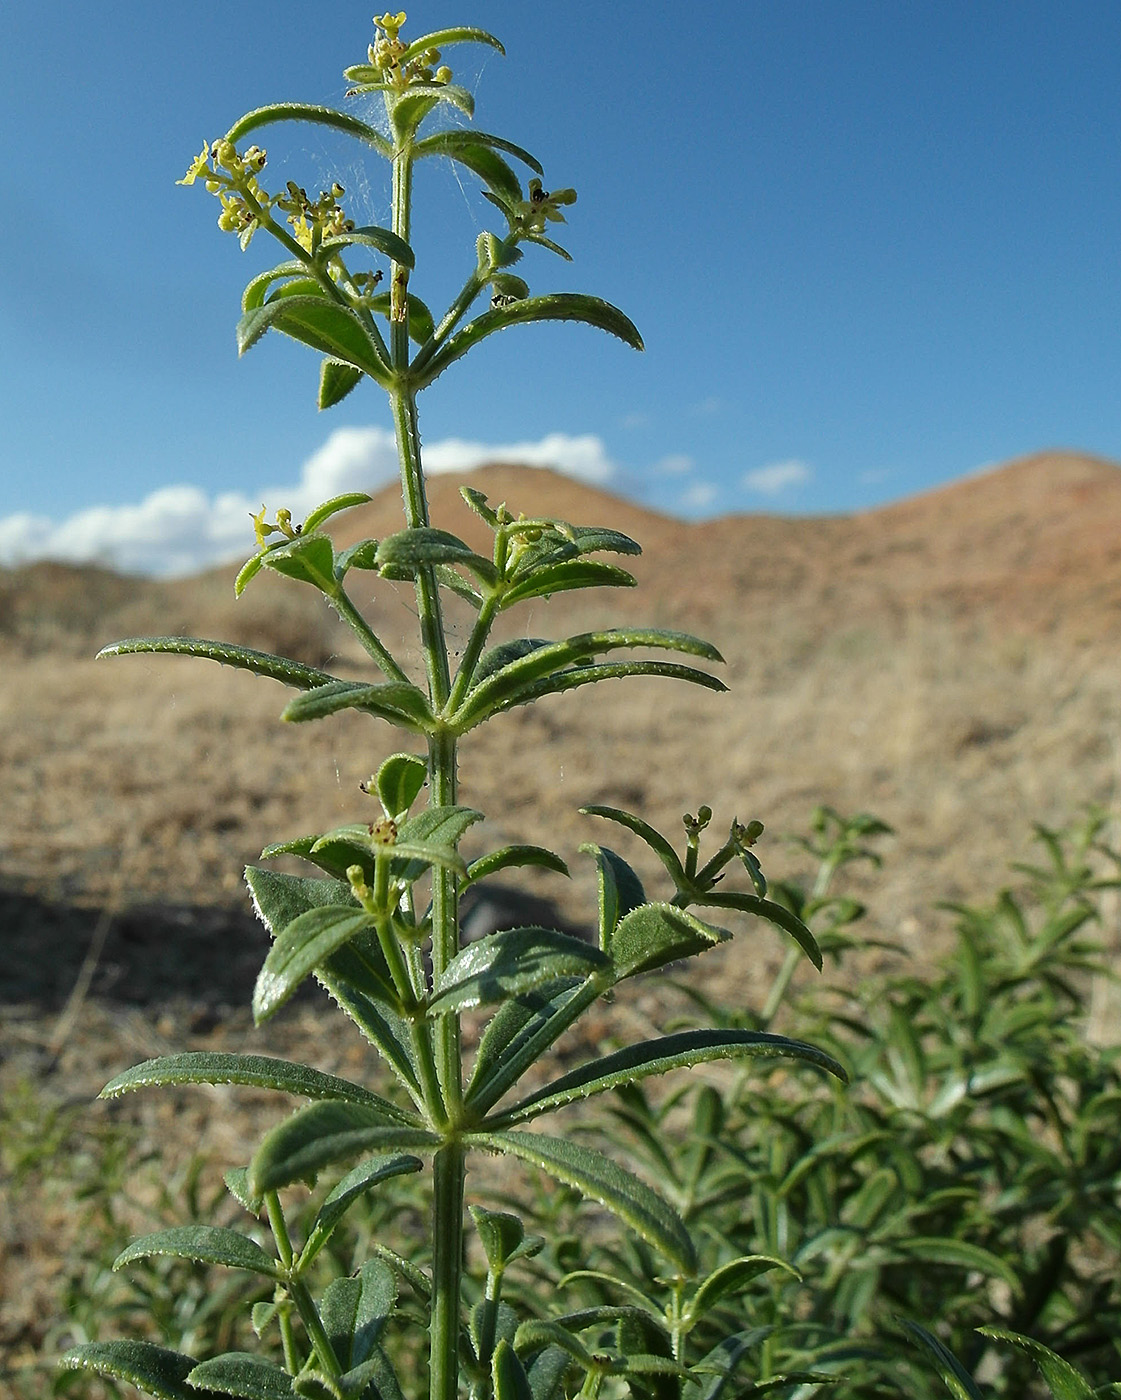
<point x="371" y="236"/>
<point x="260" y="1071"/>
<point x="349" y="984"/>
<point x="655" y="934"/>
<point x="654" y="839"/>
<point x="153" y="1369"/>
<point x="299" y="949"/>
<point x="257" y="288"/>
<point x="261" y="663"/>
<point x="565" y="576"/>
<point x="457" y="584"/>
<point x="204" y="1244"/>
<point x="347" y="501"/>
<point x="352" y="844"/>
<point x="435" y="826"/>
<point x="399" y="556"/>
<point x="478" y="153"/>
<point x="244" y="1374"/>
<point x="352" y="1187"/>
<point x="560" y="541"/>
<point x="323" y="1133"/>
<point x="512" y="1025"/>
<point x="560" y="306"/>
<point x="398" y="702"/>
<point x="420" y="322"/>
<point x="336" y="380"/>
<point x="958" y="1380"/>
<point x="496" y="658"/>
<point x="590" y="674"/>
<point x="650" y="1057"/>
<point x="776" y="914"/>
<point x="445" y="38"/>
<point x="732" y="1278"/>
<point x="961" y="1254"/>
<point x="505" y="686"/>
<point x="360" y="555"/>
<point x="620" y="890"/>
<point x="510" y="964"/>
<point x="507" y="857"/>
<point x="321" y="323"/>
<point x="309" y="112"/>
<point x="1065" y="1381"/>
<point x="604" y="1181"/>
<point x="508" y="1375"/>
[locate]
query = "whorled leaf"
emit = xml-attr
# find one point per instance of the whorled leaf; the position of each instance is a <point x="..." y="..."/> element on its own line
<point x="203" y="1244"/>
<point x="398" y="781"/>
<point x="400" y="555"/>
<point x="259" y="1071"/>
<point x="591" y="673"/>
<point x="309" y="558"/>
<point x="651" y="1057"/>
<point x="155" y="1370"/>
<point x="352" y="1187"/>
<point x="645" y="832"/>
<point x="261" y="663"/>
<point x="242" y="1374"/>
<point x="773" y="912"/>
<point x="322" y="1134"/>
<point x="565" y="576"/>
<point x="620" y="890"/>
<point x="510" y="964"/>
<point x="399" y="703"/>
<point x="308" y="112"/>
<point x="1065" y="1381"/>
<point x="560" y="306"/>
<point x="603" y="1180"/>
<point x="508" y="857"/>
<point x="306" y="943"/>
<point x="336" y="380"/>
<point x="320" y="323"/>
<point x="655" y="934"/>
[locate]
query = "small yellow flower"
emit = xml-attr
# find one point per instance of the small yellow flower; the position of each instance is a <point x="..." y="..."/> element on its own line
<point x="199" y="166"/>
<point x="261" y="528"/>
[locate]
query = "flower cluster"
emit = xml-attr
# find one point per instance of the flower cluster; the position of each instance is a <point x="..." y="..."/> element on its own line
<point x="387" y="52"/>
<point x="314" y="220"/>
<point x="262" y="528"/>
<point x="233" y="178"/>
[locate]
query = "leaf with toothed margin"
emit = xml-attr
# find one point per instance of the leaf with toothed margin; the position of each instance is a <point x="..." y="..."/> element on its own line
<point x="306" y="943"/>
<point x="655" y="934"/>
<point x="563" y="577"/>
<point x="507" y="857"/>
<point x="322" y="1134"/>
<point x="776" y="914"/>
<point x="261" y="663"/>
<point x="654" y="839"/>
<point x="309" y="112"/>
<point x="604" y="1181"/>
<point x="362" y="1179"/>
<point x="245" y="1375"/>
<point x="259" y="1071"/>
<point x="336" y="380"/>
<point x="511" y="964"/>
<point x="398" y="702"/>
<point x="560" y="306"/>
<point x="319" y="322"/>
<point x="203" y="1244"/>
<point x="661" y="1056"/>
<point x="153" y="1369"/>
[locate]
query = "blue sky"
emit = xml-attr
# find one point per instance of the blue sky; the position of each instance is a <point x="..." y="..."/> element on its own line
<point x="871" y="247"/>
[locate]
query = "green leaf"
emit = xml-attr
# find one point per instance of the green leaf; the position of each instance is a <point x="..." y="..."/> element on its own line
<point x="655" y="934"/>
<point x="371" y="236"/>
<point x="478" y="153"/>
<point x="204" y="1244"/>
<point x="279" y="899"/>
<point x="299" y="949"/>
<point x="509" y="1375"/>
<point x="352" y="1187"/>
<point x="654" y="839"/>
<point x="1065" y="1382"/>
<point x="938" y="1249"/>
<point x="560" y="306"/>
<point x="620" y="890"/>
<point x="601" y="1179"/>
<point x="507" y="857"/>
<point x="958" y="1380"/>
<point x="261" y="663"/>
<point x="361" y="555"/>
<point x="591" y="674"/>
<point x="547" y="1372"/>
<point x="514" y="1022"/>
<point x="347" y="501"/>
<point x="308" y="112"/>
<point x="567" y="575"/>
<point x="355" y="1311"/>
<point x="434" y="826"/>
<point x="503" y="1237"/>
<point x="400" y="556"/>
<point x="457" y="584"/>
<point x="397" y="702"/>
<point x="495" y="658"/>
<point x="257" y="289"/>
<point x="309" y="558"/>
<point x="733" y="1278"/>
<point x="445" y="38"/>
<point x="505" y="685"/>
<point x="776" y="914"/>
<point x="336" y="380"/>
<point x="678" y="1051"/>
<point x="324" y="325"/>
<point x="260" y="1071"/>
<point x="150" y="1368"/>
<point x="321" y="1134"/>
<point x="511" y="963"/>
<point x="244" y="1374"/>
<point x="399" y="780"/>
<point x="560" y="542"/>
<point x="352" y="845"/>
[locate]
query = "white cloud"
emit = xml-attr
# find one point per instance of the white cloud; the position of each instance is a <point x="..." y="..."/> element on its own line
<point x="676" y="464"/>
<point x="180" y="529"/>
<point x="699" y="495"/>
<point x="777" y="477"/>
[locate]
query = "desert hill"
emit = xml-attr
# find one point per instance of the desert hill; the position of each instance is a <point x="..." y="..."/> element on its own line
<point x="949" y="662"/>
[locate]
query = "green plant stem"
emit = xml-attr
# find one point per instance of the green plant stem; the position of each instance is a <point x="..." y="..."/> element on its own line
<point x="448" y="1176"/>
<point x="298" y="1290"/>
<point x="475" y="643"/>
<point x="371" y="643"/>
